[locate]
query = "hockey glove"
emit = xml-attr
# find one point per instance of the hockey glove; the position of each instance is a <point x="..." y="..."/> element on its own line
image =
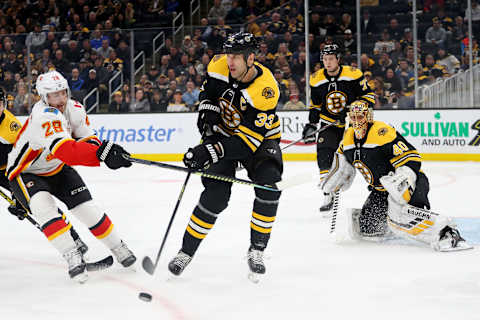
<point x="113" y="155"/>
<point x="17" y="210"/>
<point x="208" y="116"/>
<point x="308" y="133"/>
<point x="203" y="155"/>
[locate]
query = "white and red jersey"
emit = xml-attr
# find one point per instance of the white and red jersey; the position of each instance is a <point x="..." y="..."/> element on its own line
<point x="49" y="139"/>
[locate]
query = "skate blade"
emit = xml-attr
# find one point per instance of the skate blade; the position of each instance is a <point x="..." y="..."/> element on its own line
<point x="461" y="246"/>
<point x="81" y="278"/>
<point x="255" y="277"/>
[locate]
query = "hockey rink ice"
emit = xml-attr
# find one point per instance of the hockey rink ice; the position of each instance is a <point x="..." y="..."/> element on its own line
<point x="309" y="275"/>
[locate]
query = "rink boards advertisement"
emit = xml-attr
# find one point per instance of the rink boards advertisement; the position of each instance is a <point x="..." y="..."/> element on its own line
<point x="447" y="135"/>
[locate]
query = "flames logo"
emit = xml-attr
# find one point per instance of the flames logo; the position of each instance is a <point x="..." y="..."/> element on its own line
<point x="336" y="102"/>
<point x="366" y="173"/>
<point x="231" y="116"/>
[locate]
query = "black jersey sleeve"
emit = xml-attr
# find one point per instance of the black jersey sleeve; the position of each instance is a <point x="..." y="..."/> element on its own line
<point x="401" y="153"/>
<point x="4" y="151"/>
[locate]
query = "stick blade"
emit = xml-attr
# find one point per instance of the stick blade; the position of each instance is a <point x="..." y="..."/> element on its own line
<point x="148" y="266"/>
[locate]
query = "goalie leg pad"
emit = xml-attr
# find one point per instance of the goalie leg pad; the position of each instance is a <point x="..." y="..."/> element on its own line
<point x="340" y="176"/>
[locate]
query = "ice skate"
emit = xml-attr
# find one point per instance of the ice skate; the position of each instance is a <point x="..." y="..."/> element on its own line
<point x="76" y="266"/>
<point x="124" y="255"/>
<point x="81" y="246"/>
<point x="326" y="208"/>
<point x="255" y="264"/>
<point x="450" y="240"/>
<point x="179" y="263"/>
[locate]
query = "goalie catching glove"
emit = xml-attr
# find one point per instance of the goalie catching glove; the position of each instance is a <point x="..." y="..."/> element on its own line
<point x="208" y="116"/>
<point x="401" y="184"/>
<point x="203" y="155"/>
<point x="113" y="155"/>
<point x="340" y="176"/>
<point x="308" y="134"/>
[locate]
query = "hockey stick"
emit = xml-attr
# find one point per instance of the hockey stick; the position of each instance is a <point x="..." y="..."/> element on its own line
<point x="27" y="215"/>
<point x="202" y="173"/>
<point x="313" y="133"/>
<point x="147" y="263"/>
<point x="336" y="199"/>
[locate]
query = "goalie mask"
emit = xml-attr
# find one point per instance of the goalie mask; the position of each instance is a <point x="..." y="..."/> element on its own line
<point x="360" y="116"/>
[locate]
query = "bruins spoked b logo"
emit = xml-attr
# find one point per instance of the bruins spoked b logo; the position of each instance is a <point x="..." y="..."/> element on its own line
<point x="336" y="102"/>
<point x="231" y="116"/>
<point x="476" y="140"/>
<point x="366" y="173"/>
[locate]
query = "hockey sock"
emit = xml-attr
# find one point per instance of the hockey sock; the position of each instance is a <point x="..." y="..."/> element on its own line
<point x="98" y="223"/>
<point x="263" y="216"/>
<point x="56" y="232"/>
<point x="201" y="222"/>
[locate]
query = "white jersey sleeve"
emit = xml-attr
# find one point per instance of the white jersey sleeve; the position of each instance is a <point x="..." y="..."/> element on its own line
<point x="78" y="119"/>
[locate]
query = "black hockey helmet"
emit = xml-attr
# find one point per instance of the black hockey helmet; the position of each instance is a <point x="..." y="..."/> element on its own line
<point x="241" y="42"/>
<point x="3" y="97"/>
<point x="331" y="49"/>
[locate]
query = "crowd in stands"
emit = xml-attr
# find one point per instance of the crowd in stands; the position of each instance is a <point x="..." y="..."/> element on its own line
<point x="86" y="41"/>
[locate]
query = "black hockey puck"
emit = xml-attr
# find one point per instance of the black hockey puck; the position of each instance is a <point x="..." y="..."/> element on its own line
<point x="147" y="297"/>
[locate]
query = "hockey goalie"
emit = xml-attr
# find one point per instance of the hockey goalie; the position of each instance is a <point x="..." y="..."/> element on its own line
<point x="398" y="202"/>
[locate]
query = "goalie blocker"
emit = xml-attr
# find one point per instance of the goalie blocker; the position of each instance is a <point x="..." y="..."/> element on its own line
<point x="398" y="202"/>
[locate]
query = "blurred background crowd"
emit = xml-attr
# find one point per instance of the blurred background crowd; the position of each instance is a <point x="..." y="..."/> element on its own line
<point x="90" y="43"/>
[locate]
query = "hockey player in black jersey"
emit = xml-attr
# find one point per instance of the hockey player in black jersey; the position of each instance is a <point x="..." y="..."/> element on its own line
<point x="238" y="122"/>
<point x="398" y="201"/>
<point x="333" y="88"/>
<point x="9" y="130"/>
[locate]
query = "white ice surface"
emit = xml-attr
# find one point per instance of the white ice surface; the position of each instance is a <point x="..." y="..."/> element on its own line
<point x="308" y="275"/>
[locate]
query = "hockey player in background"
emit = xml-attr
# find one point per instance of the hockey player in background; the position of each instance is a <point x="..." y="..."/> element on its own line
<point x="398" y="201"/>
<point x="9" y="129"/>
<point x="333" y="88"/>
<point x="56" y="136"/>
<point x="238" y="122"/>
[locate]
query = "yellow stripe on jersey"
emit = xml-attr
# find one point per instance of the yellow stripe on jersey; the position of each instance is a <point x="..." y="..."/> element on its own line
<point x="247" y="141"/>
<point x="403" y="155"/>
<point x="409" y="158"/>
<point x="59" y="143"/>
<point x="275" y="136"/>
<point x="9" y="128"/>
<point x="330" y="120"/>
<point x="250" y="132"/>
<point x="318" y="78"/>
<point x="369" y="97"/>
<point x="350" y="73"/>
<point x="263" y="93"/>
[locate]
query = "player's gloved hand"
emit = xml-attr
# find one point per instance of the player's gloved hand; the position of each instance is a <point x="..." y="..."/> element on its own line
<point x="208" y="116"/>
<point x="113" y="155"/>
<point x="17" y="210"/>
<point x="308" y="133"/>
<point x="203" y="155"/>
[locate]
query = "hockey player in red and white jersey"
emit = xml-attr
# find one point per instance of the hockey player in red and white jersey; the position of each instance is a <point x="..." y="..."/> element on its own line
<point x="56" y="136"/>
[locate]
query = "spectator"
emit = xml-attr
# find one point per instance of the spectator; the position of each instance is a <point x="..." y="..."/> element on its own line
<point x="72" y="53"/>
<point x="97" y="39"/>
<point x="294" y="102"/>
<point x="162" y="83"/>
<point x="114" y="60"/>
<point x="368" y="25"/>
<point x="174" y="56"/>
<point x="475" y="12"/>
<point x="36" y="39"/>
<point x="391" y="82"/>
<point x="164" y="64"/>
<point x="172" y="6"/>
<point x="395" y="30"/>
<point x="346" y="24"/>
<point x="459" y="31"/>
<point x="141" y="103"/>
<point x="123" y="52"/>
<point x="171" y="75"/>
<point x="158" y="103"/>
<point x="92" y="81"/>
<point x="384" y="45"/>
<point x="433" y="69"/>
<point x="236" y="14"/>
<point x="349" y="44"/>
<point x="283" y="51"/>
<point x="187" y="43"/>
<point x="330" y="25"/>
<point x="217" y="11"/>
<point x="252" y="26"/>
<point x="83" y="68"/>
<point x="12" y="64"/>
<point x="384" y="63"/>
<point x="105" y="49"/>
<point x="21" y="104"/>
<point x="252" y="8"/>
<point x="153" y="73"/>
<point x="407" y="39"/>
<point x="277" y="26"/>
<point x="449" y="61"/>
<point x="118" y="105"/>
<point x="61" y="64"/>
<point x="177" y="105"/>
<point x="75" y="82"/>
<point x="403" y="73"/>
<point x="295" y="26"/>
<point x="436" y="34"/>
<point x="190" y="96"/>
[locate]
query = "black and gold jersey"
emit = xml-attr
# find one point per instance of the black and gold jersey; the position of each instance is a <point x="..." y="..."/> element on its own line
<point x="9" y="129"/>
<point x="332" y="95"/>
<point x="247" y="109"/>
<point x="381" y="151"/>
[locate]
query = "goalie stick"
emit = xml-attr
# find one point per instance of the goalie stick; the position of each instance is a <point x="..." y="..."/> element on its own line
<point x="90" y="266"/>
